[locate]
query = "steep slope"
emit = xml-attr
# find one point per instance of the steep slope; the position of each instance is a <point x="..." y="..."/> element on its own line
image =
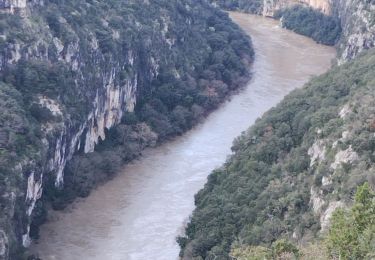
<point x="302" y="160"/>
<point x="357" y="18"/>
<point x="72" y="70"/>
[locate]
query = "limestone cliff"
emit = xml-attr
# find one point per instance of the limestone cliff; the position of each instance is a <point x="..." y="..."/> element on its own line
<point x="358" y="23"/>
<point x="12" y="4"/>
<point x="270" y="6"/>
<point x="70" y="70"/>
<point x="357" y="19"/>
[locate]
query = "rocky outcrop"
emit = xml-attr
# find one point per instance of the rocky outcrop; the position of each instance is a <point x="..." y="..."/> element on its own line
<point x="317" y="152"/>
<point x="271" y="6"/>
<point x="68" y="77"/>
<point x="11" y="5"/>
<point x="357" y="21"/>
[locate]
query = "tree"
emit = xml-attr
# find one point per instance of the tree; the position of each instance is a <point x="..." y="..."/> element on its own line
<point x="352" y="233"/>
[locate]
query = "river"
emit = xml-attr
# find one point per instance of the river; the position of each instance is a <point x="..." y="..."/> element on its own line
<point x="138" y="214"/>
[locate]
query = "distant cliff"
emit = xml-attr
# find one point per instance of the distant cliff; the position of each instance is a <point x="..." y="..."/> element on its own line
<point x="357" y="19"/>
<point x="70" y="71"/>
<point x="270" y="6"/>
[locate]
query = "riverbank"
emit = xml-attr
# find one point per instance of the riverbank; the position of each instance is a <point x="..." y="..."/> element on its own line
<point x="297" y="178"/>
<point x="140" y="212"/>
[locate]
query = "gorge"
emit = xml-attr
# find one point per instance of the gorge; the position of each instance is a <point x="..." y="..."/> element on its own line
<point x="87" y="86"/>
<point x="140" y="212"/>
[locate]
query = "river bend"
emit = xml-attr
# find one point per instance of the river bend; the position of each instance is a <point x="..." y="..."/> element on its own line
<point x="138" y="215"/>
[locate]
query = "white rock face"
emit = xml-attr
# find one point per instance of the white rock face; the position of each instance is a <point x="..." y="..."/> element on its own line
<point x="317" y="152"/>
<point x="108" y="111"/>
<point x="12" y="5"/>
<point x="316" y="201"/>
<point x="326" y="180"/>
<point x="16" y="53"/>
<point x="345" y="110"/>
<point x="346" y="156"/>
<point x="51" y="105"/>
<point x="271" y="6"/>
<point x="4" y="251"/>
<point x="34" y="191"/>
<point x="326" y="216"/>
<point x="26" y="240"/>
<point x="358" y="27"/>
<point x="58" y="44"/>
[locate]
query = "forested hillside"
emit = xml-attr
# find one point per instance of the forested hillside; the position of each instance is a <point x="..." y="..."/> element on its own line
<point x="72" y="70"/>
<point x="249" y="6"/>
<point x="312" y="23"/>
<point x="289" y="172"/>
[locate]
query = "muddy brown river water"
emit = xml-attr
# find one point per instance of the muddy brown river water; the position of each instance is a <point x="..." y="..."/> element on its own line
<point x="139" y="214"/>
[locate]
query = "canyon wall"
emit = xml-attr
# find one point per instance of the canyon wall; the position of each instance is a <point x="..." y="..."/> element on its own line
<point x="270" y="6"/>
<point x="358" y="27"/>
<point x="357" y="21"/>
<point x="68" y="74"/>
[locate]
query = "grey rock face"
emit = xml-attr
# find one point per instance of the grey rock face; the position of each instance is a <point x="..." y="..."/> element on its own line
<point x="357" y="19"/>
<point x="109" y="62"/>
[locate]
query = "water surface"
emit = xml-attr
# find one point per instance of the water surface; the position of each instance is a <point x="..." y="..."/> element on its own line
<point x="139" y="214"/>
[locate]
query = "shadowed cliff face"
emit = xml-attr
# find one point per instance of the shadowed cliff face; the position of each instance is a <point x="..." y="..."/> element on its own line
<point x="69" y="71"/>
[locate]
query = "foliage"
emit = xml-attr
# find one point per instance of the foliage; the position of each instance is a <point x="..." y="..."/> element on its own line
<point x="183" y="57"/>
<point x="249" y="6"/>
<point x="311" y="23"/>
<point x="352" y="232"/>
<point x="302" y="20"/>
<point x="263" y="192"/>
<point x="280" y="249"/>
<point x="174" y="101"/>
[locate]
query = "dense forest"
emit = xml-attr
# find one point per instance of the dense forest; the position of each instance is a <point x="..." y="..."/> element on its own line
<point x="299" y="162"/>
<point x="174" y="105"/>
<point x="311" y="23"/>
<point x="252" y="6"/>
<point x="71" y="71"/>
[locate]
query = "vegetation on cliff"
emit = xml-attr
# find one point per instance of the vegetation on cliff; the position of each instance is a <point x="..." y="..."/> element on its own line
<point x="351" y="236"/>
<point x="71" y="67"/>
<point x="292" y="169"/>
<point x="175" y="102"/>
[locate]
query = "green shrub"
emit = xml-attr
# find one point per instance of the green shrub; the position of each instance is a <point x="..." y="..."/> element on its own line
<point x="311" y="23"/>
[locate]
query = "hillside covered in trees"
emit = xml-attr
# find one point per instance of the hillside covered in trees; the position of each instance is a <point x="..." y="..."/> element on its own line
<point x="299" y="163"/>
<point x="249" y="6"/>
<point x="71" y="71"/>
